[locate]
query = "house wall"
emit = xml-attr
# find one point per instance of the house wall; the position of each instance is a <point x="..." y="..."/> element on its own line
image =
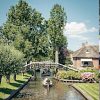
<point x="76" y="63"/>
<point x="95" y="63"/>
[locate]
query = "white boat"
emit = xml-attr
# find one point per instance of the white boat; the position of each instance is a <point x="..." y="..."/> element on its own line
<point x="47" y="82"/>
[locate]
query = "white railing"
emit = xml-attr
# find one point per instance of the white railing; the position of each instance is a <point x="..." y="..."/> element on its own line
<point x="51" y="64"/>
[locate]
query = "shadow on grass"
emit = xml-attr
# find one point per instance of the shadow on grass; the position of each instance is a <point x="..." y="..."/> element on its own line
<point x="26" y="78"/>
<point x="19" y="81"/>
<point x="6" y="90"/>
<point x="15" y="84"/>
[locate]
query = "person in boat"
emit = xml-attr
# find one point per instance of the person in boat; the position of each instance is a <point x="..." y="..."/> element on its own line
<point x="47" y="81"/>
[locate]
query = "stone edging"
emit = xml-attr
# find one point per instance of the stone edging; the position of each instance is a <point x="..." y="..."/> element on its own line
<point x="83" y="93"/>
<point x="18" y="90"/>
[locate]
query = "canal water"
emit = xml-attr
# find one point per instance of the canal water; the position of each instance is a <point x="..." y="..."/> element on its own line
<point x="34" y="90"/>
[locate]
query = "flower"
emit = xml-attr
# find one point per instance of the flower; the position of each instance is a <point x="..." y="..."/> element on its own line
<point x="87" y="75"/>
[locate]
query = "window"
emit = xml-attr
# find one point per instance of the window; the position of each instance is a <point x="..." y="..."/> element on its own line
<point x="87" y="51"/>
<point x="87" y="63"/>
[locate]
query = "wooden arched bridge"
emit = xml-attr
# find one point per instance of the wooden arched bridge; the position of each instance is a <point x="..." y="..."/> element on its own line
<point x="49" y="64"/>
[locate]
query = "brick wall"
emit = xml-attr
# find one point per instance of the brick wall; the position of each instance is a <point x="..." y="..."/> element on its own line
<point x="96" y="63"/>
<point x="77" y="63"/>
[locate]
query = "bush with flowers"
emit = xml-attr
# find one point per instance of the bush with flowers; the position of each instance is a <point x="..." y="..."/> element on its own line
<point x="91" y="70"/>
<point x="87" y="76"/>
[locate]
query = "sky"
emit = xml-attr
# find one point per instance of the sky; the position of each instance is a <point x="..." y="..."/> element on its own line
<point x="82" y="18"/>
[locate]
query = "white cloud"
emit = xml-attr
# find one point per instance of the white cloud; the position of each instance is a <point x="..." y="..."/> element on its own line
<point x="76" y="30"/>
<point x="79" y="36"/>
<point x="93" y="29"/>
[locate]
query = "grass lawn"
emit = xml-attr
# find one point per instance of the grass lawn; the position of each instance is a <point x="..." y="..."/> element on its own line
<point x="6" y="89"/>
<point x="91" y="89"/>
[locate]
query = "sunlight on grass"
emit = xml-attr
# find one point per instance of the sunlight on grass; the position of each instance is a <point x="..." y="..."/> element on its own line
<point x="91" y="89"/>
<point x="6" y="89"/>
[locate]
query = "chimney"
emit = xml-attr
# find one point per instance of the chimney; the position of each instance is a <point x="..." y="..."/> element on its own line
<point x="85" y="44"/>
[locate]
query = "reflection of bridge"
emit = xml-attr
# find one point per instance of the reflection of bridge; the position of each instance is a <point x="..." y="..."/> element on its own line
<point x="49" y="64"/>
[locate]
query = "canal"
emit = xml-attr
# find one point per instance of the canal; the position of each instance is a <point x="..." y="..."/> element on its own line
<point x="34" y="90"/>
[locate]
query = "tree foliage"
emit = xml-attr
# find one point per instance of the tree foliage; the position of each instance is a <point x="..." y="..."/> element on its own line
<point x="63" y="53"/>
<point x="56" y="25"/>
<point x="27" y="29"/>
<point x="31" y="34"/>
<point x="10" y="59"/>
<point x="26" y="34"/>
<point x="55" y="29"/>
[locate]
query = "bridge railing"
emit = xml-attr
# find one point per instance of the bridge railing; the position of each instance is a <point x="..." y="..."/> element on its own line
<point x="51" y="64"/>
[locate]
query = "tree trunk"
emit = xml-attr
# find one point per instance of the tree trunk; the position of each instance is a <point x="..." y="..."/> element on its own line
<point x="0" y="78"/>
<point x="14" y="77"/>
<point x="56" y="56"/>
<point x="23" y="73"/>
<point x="8" y="78"/>
<point x="35" y="75"/>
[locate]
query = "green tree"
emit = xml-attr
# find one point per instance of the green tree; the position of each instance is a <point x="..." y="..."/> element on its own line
<point x="62" y="55"/>
<point x="68" y="57"/>
<point x="27" y="29"/>
<point x="38" y="36"/>
<point x="17" y="61"/>
<point x="17" y="25"/>
<point x="10" y="60"/>
<point x="55" y="28"/>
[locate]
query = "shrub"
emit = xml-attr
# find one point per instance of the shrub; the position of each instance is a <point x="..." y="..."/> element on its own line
<point x="88" y="70"/>
<point x="68" y="75"/>
<point x="98" y="75"/>
<point x="96" y="72"/>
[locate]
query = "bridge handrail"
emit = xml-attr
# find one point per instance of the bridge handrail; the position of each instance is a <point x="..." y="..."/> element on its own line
<point x="72" y="68"/>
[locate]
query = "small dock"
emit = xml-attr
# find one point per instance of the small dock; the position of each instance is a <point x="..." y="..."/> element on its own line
<point x="68" y="81"/>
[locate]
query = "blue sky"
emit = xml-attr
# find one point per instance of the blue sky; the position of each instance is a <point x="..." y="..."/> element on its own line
<point x="82" y="18"/>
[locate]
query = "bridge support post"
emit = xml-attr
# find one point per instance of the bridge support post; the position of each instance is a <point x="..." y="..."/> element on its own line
<point x="35" y="73"/>
<point x="56" y="56"/>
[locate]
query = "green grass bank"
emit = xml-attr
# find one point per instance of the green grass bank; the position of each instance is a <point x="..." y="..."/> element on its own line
<point x="91" y="89"/>
<point x="6" y="89"/>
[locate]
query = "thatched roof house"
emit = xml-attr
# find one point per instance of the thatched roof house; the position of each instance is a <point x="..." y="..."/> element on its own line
<point x="86" y="56"/>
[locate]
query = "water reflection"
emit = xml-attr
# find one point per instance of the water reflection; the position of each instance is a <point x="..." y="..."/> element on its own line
<point x="60" y="91"/>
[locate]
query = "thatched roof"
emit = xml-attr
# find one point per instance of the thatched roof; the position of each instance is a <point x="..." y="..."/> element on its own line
<point x="87" y="51"/>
